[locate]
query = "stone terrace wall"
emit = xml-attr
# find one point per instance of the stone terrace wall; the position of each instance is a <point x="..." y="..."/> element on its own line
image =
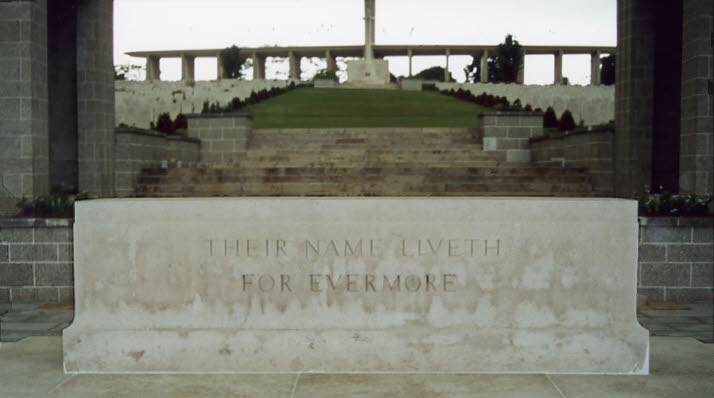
<point x="139" y="103"/>
<point x="36" y="260"/>
<point x="593" y="104"/>
<point x="222" y="135"/>
<point x="135" y="149"/>
<point x="507" y="133"/>
<point x="591" y="149"/>
<point x="675" y="259"/>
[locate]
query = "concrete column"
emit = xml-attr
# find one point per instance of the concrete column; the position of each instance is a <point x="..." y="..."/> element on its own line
<point x="294" y="62"/>
<point x="187" y="67"/>
<point x="95" y="97"/>
<point x="634" y="88"/>
<point x="369" y="22"/>
<point x="258" y="66"/>
<point x="24" y="132"/>
<point x="153" y="68"/>
<point x="330" y="60"/>
<point x="446" y="69"/>
<point x="696" y="168"/>
<point x="595" y="68"/>
<point x="409" y="55"/>
<point x="220" y="72"/>
<point x="484" y="67"/>
<point x="520" y="78"/>
<point x="558" y="69"/>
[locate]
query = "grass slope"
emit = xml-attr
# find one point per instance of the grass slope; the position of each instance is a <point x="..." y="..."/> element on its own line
<point x="309" y="107"/>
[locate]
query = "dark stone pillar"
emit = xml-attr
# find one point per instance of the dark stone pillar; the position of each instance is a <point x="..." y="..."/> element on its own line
<point x="95" y="96"/>
<point x="634" y="90"/>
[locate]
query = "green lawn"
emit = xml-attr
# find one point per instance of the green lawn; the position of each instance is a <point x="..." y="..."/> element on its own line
<point x="309" y="107"/>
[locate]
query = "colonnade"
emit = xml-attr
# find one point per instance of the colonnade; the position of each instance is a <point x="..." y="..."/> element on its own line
<point x="295" y="54"/>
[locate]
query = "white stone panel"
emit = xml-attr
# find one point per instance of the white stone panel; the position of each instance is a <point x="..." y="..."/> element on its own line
<point x="356" y="285"/>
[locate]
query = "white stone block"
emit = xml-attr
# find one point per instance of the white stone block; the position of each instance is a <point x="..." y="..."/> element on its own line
<point x="372" y="72"/>
<point x="518" y="155"/>
<point x="490" y="144"/>
<point x="518" y="285"/>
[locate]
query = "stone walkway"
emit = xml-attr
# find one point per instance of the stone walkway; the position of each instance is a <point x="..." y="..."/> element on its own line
<point x="32" y="367"/>
<point x="679" y="367"/>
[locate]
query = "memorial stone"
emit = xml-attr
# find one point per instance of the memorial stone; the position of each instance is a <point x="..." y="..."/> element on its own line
<point x="517" y="285"/>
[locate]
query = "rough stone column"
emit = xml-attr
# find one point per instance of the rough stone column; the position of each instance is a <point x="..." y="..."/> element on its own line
<point x="634" y="95"/>
<point x="153" y="68"/>
<point x="446" y="69"/>
<point x="558" y="67"/>
<point x="220" y="72"/>
<point x="696" y="119"/>
<point x="409" y="54"/>
<point x="95" y="96"/>
<point x="484" y="67"/>
<point x="258" y="66"/>
<point x="369" y="22"/>
<point x="595" y="68"/>
<point x="294" y="62"/>
<point x="188" y="67"/>
<point x="330" y="61"/>
<point x="24" y="131"/>
<point x="520" y="78"/>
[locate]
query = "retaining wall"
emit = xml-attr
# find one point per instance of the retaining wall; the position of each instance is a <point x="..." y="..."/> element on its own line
<point x="135" y="149"/>
<point x="140" y="103"/>
<point x="506" y="134"/>
<point x="592" y="104"/>
<point x="223" y="135"/>
<point x="591" y="149"/>
<point x="36" y="260"/>
<point x="675" y="259"/>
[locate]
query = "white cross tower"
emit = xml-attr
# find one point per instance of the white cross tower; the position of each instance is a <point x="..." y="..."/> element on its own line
<point x="369" y="71"/>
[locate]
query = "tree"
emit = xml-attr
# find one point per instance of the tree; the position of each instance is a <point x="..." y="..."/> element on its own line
<point x="473" y="71"/>
<point x="607" y="72"/>
<point x="232" y="62"/>
<point x="433" y="73"/>
<point x="502" y="67"/>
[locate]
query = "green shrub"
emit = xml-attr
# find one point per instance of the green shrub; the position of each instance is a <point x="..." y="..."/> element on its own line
<point x="667" y="204"/>
<point x="549" y="119"/>
<point x="165" y="125"/>
<point x="325" y="74"/>
<point x="58" y="203"/>
<point x="566" y="121"/>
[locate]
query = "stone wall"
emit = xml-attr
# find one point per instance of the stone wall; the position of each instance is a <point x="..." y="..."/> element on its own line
<point x="135" y="149"/>
<point x="24" y="134"/>
<point x="592" y="104"/>
<point x="506" y="134"/>
<point x="222" y="136"/>
<point x="591" y="149"/>
<point x="95" y="99"/>
<point x="36" y="261"/>
<point x="675" y="259"/>
<point x="140" y="103"/>
<point x="696" y="167"/>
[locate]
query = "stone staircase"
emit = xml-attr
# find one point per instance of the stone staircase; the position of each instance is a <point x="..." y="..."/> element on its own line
<point x="368" y="162"/>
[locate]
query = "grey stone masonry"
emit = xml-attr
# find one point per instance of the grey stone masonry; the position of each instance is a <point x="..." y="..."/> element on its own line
<point x="24" y="133"/>
<point x="136" y="149"/>
<point x="675" y="259"/>
<point x="506" y="134"/>
<point x="634" y="90"/>
<point x="224" y="137"/>
<point x="95" y="96"/>
<point x="591" y="149"/>
<point x="696" y="169"/>
<point x="36" y="260"/>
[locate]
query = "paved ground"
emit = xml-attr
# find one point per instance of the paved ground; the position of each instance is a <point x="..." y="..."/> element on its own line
<point x="32" y="367"/>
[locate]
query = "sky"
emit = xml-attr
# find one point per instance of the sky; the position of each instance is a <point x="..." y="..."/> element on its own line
<point x="196" y="24"/>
